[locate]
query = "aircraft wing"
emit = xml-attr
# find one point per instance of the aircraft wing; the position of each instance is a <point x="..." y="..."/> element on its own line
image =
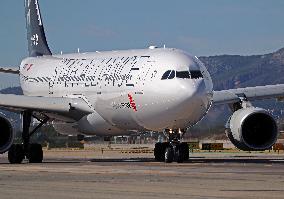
<point x="250" y="93"/>
<point x="74" y="108"/>
<point x="10" y="70"/>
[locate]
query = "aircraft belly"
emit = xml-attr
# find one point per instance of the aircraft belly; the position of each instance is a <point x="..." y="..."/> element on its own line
<point x="94" y="124"/>
<point x="168" y="115"/>
<point x="151" y="112"/>
<point x="65" y="128"/>
<point x="119" y="111"/>
<point x="91" y="124"/>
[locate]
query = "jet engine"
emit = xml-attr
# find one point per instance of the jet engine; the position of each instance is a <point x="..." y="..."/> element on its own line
<point x="252" y="129"/>
<point x="6" y="134"/>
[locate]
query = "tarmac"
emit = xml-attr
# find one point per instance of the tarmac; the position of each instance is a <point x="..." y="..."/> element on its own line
<point x="96" y="174"/>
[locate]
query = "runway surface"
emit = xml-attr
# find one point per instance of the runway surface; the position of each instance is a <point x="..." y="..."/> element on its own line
<point x="206" y="175"/>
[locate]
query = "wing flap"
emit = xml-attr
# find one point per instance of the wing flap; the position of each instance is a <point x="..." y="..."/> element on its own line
<point x="250" y="93"/>
<point x="74" y="108"/>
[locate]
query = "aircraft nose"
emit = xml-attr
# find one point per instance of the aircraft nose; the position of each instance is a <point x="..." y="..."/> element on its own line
<point x="201" y="90"/>
<point x="196" y="92"/>
<point x="194" y="88"/>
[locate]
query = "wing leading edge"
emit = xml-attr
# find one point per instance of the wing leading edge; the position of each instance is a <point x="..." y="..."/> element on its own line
<point x="74" y="108"/>
<point x="10" y="70"/>
<point x="250" y="93"/>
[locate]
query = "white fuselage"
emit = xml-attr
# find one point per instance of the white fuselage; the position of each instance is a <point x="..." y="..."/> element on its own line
<point x="125" y="89"/>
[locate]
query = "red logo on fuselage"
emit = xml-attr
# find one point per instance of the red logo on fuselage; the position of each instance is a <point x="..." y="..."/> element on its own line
<point x="28" y="67"/>
<point x="132" y="103"/>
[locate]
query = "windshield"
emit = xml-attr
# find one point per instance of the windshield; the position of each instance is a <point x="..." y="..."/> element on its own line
<point x="193" y="74"/>
<point x="183" y="74"/>
<point x="196" y="74"/>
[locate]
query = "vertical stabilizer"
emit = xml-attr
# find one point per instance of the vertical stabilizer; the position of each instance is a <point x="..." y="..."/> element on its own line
<point x="35" y="31"/>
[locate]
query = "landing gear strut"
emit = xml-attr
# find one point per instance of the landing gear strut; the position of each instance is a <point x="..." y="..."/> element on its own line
<point x="33" y="152"/>
<point x="173" y="150"/>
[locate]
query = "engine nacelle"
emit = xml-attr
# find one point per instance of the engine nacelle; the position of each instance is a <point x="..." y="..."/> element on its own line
<point x="6" y="134"/>
<point x="252" y="129"/>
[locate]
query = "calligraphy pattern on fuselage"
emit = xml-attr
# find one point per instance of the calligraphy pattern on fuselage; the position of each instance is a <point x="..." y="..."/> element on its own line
<point x="112" y="72"/>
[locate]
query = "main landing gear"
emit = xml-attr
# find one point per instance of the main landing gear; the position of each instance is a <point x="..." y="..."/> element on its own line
<point x="173" y="150"/>
<point x="33" y="152"/>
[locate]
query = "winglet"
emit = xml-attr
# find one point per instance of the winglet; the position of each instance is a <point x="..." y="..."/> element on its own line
<point x="35" y="31"/>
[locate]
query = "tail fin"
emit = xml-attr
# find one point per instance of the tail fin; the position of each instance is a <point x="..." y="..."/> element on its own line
<point x="36" y="36"/>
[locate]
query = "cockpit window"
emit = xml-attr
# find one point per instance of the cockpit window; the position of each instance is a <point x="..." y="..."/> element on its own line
<point x="166" y="74"/>
<point x="193" y="74"/>
<point x="170" y="74"/>
<point x="183" y="74"/>
<point x="196" y="74"/>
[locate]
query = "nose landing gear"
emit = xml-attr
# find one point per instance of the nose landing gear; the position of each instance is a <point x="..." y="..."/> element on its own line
<point x="174" y="150"/>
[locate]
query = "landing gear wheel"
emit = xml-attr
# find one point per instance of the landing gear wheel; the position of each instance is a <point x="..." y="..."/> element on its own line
<point x="159" y="151"/>
<point x="185" y="150"/>
<point x="179" y="156"/>
<point x="169" y="155"/>
<point x="16" y="154"/>
<point x="35" y="153"/>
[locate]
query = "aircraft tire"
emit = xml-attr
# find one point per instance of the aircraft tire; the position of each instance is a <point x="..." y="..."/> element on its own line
<point x="16" y="154"/>
<point x="158" y="151"/>
<point x="169" y="155"/>
<point x="179" y="154"/>
<point x="35" y="153"/>
<point x="185" y="151"/>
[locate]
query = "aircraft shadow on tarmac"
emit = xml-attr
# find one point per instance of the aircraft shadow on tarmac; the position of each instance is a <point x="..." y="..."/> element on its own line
<point x="237" y="160"/>
<point x="241" y="160"/>
<point x="199" y="160"/>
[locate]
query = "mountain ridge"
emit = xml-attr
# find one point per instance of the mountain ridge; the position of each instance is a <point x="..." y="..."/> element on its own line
<point x="235" y="71"/>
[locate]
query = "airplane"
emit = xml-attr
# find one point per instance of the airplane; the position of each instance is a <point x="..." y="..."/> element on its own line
<point x="123" y="92"/>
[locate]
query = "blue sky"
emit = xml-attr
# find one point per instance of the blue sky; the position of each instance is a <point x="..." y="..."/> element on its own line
<point x="201" y="27"/>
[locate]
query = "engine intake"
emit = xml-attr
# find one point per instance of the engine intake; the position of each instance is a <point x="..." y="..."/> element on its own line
<point x="252" y="129"/>
<point x="6" y="135"/>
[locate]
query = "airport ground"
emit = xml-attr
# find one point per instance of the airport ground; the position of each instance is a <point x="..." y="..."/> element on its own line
<point x="126" y="173"/>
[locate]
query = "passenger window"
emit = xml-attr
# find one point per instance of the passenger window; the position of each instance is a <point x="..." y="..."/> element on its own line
<point x="183" y="74"/>
<point x="196" y="74"/>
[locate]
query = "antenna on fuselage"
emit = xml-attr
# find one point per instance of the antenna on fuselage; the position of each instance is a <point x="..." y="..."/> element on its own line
<point x="78" y="50"/>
